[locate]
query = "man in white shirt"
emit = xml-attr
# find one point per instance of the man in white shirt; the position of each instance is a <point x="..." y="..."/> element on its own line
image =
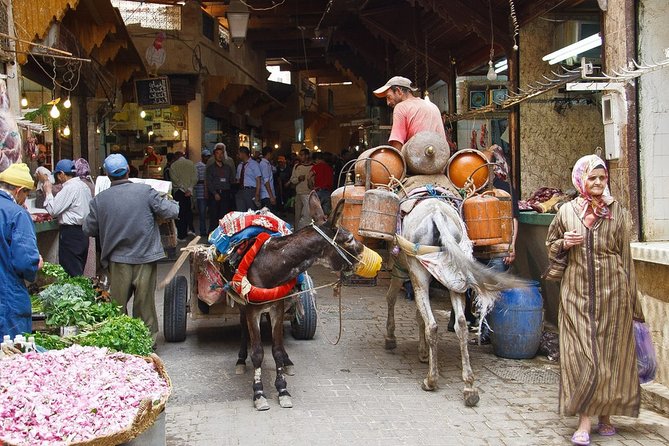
<point x="70" y="206"/>
<point x="249" y="177"/>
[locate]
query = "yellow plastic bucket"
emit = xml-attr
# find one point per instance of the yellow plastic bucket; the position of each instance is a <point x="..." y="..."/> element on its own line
<point x="370" y="264"/>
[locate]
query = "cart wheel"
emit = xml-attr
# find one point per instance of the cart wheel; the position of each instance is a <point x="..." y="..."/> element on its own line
<point x="174" y="312"/>
<point x="304" y="327"/>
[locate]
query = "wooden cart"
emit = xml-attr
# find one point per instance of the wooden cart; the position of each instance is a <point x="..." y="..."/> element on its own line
<point x="179" y="301"/>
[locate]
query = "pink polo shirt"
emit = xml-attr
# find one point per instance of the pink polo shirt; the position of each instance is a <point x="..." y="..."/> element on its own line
<point x="415" y="115"/>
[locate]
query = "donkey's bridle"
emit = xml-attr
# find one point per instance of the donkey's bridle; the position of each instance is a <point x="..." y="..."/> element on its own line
<point x="342" y="252"/>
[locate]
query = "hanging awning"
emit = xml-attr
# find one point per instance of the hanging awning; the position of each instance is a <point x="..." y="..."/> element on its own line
<point x="32" y="20"/>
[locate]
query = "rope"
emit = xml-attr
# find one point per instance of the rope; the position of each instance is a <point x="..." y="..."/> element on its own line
<point x="337" y="293"/>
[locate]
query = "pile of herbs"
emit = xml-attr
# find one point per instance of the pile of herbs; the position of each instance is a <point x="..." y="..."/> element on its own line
<point x="72" y="302"/>
<point x="120" y="333"/>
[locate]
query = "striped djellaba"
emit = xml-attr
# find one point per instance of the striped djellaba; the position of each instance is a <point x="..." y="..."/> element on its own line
<point x="598" y="300"/>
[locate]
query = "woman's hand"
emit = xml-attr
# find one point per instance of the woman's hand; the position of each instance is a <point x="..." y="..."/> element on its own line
<point x="571" y="238"/>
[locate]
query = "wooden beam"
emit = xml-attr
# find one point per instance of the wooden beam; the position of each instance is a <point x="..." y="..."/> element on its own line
<point x="399" y="42"/>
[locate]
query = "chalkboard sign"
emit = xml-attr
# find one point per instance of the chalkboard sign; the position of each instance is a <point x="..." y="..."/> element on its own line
<point x="153" y="92"/>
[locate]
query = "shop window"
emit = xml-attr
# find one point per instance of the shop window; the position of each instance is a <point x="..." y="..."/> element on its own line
<point x="223" y="37"/>
<point x="149" y="15"/>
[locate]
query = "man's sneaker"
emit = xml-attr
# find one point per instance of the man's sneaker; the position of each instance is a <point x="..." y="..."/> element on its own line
<point x="181" y="239"/>
<point x="191" y="233"/>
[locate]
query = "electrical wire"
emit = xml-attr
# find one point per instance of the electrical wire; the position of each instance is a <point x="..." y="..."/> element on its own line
<point x="327" y="9"/>
<point x="263" y="9"/>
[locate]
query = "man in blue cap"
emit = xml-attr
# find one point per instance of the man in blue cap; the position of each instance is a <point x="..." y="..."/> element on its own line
<point x="124" y="220"/>
<point x="70" y="206"/>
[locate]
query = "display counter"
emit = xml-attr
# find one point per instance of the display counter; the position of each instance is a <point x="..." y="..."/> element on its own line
<point x="532" y="258"/>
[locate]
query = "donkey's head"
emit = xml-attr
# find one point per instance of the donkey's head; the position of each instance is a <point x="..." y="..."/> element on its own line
<point x="346" y="252"/>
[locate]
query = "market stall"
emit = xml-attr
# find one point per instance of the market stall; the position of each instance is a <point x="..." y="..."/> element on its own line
<point x="86" y="375"/>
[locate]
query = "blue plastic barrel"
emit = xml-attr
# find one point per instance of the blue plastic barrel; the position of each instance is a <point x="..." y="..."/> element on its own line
<point x="517" y="322"/>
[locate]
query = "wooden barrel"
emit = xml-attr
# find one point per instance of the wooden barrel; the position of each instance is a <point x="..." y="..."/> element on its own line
<point x="379" y="214"/>
<point x="426" y="153"/>
<point x="481" y="215"/>
<point x="463" y="164"/>
<point x="386" y="161"/>
<point x="506" y="226"/>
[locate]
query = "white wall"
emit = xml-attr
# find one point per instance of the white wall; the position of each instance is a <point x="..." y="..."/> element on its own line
<point x="654" y="121"/>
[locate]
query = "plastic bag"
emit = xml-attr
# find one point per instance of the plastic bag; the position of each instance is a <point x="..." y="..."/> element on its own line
<point x="210" y="284"/>
<point x="645" y="352"/>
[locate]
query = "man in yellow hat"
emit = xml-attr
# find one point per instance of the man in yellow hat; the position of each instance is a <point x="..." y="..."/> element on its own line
<point x="19" y="257"/>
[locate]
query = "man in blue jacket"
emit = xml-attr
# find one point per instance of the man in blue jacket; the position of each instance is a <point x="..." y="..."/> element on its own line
<point x="19" y="257"/>
<point x="124" y="220"/>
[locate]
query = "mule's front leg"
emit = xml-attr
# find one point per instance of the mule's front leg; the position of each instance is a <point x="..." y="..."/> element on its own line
<point x="391" y="298"/>
<point x="471" y="393"/>
<point x="279" y="353"/>
<point x="253" y="315"/>
<point x="420" y="280"/>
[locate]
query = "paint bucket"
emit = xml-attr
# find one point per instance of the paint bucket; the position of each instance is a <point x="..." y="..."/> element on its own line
<point x="517" y="322"/>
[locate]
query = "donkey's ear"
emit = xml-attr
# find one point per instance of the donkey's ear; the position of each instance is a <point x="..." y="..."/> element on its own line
<point x="336" y="214"/>
<point x="315" y="210"/>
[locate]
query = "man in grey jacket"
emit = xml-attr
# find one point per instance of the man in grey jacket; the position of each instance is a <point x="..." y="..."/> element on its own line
<point x="124" y="220"/>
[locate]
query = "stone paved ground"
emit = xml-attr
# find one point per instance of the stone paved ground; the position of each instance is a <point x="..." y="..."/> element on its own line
<point x="357" y="393"/>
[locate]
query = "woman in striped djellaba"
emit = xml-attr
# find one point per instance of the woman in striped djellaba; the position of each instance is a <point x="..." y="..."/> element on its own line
<point x="598" y="303"/>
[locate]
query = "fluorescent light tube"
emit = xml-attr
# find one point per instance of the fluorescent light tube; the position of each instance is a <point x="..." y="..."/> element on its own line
<point x="574" y="49"/>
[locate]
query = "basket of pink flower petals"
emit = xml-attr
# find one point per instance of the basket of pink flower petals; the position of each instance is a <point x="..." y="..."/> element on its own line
<point x="79" y="396"/>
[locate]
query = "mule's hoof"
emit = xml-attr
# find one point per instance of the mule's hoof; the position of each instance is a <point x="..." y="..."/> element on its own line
<point x="471" y="397"/>
<point x="285" y="401"/>
<point x="391" y="344"/>
<point x="427" y="386"/>
<point x="261" y="403"/>
<point x="289" y="370"/>
<point x="240" y="369"/>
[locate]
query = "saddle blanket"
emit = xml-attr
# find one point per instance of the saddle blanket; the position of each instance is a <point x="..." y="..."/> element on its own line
<point x="235" y="227"/>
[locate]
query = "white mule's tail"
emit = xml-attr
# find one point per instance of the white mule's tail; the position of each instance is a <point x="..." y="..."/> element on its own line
<point x="485" y="282"/>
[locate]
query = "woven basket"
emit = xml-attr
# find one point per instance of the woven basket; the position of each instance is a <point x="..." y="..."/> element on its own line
<point x="146" y="414"/>
<point x="168" y="234"/>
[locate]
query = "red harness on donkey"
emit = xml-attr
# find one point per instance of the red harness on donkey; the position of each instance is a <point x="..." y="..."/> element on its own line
<point x="253" y="293"/>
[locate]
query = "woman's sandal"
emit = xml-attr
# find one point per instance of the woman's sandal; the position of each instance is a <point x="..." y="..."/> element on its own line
<point x="606" y="429"/>
<point x="580" y="438"/>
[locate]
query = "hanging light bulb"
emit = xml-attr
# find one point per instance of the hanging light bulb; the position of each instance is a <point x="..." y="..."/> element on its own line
<point x="175" y="133"/>
<point x="67" y="103"/>
<point x="66" y="130"/>
<point x="54" y="112"/>
<point x="150" y="132"/>
<point x="97" y="130"/>
<point x="138" y="135"/>
<point x="491" y="72"/>
<point x="142" y="114"/>
<point x="24" y="101"/>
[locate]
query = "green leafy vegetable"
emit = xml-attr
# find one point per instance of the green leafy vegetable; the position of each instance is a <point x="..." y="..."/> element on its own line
<point x="121" y="333"/>
<point x="54" y="270"/>
<point x="48" y="341"/>
<point x="82" y="282"/>
<point x="36" y="303"/>
<point x="67" y="304"/>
